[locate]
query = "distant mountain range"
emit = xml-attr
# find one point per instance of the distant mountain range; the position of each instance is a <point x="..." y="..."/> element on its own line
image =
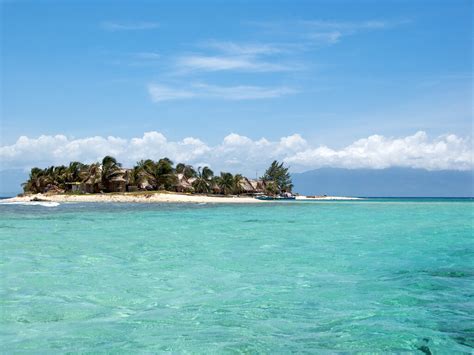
<point x="396" y="182"/>
<point x="10" y="182"/>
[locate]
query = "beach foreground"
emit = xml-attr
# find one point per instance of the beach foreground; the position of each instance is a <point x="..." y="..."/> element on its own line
<point x="152" y="197"/>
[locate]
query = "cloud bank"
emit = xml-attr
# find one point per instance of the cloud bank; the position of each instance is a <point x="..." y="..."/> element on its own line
<point x="243" y="154"/>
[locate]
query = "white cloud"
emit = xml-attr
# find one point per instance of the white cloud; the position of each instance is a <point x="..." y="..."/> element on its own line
<point x="160" y="93"/>
<point x="238" y="153"/>
<point x="326" y="32"/>
<point x="128" y="26"/>
<point x="243" y="48"/>
<point x="230" y="55"/>
<point x="327" y="37"/>
<point x="147" y="55"/>
<point x="243" y="92"/>
<point x="377" y="152"/>
<point x="350" y="26"/>
<point x="236" y="140"/>
<point x="331" y="32"/>
<point x="293" y="143"/>
<point x="164" y="93"/>
<point x="228" y="62"/>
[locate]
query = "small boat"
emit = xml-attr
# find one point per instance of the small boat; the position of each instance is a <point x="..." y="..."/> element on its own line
<point x="274" y="198"/>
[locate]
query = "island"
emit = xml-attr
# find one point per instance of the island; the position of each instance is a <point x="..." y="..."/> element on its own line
<point x="155" y="182"/>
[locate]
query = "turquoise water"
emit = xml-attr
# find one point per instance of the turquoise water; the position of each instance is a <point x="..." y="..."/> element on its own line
<point x="370" y="276"/>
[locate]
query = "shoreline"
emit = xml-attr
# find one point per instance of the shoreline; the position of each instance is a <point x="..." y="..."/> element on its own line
<point x="327" y="198"/>
<point x="153" y="197"/>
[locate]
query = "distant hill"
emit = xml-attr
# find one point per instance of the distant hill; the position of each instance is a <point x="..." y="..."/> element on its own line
<point x="10" y="182"/>
<point x="399" y="182"/>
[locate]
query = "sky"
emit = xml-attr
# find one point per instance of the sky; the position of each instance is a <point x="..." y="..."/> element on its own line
<point x="235" y="84"/>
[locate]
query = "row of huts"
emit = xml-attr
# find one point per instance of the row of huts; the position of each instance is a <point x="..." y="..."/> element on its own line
<point x="120" y="183"/>
<point x="247" y="186"/>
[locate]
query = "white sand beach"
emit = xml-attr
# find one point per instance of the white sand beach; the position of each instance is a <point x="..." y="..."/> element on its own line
<point x="150" y="197"/>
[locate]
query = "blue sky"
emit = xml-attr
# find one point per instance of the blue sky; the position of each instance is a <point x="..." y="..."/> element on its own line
<point x="331" y="72"/>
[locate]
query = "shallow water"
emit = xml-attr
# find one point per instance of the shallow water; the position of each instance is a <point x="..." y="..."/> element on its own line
<point x="376" y="275"/>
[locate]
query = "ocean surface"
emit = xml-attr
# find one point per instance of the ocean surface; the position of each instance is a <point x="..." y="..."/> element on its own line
<point x="344" y="276"/>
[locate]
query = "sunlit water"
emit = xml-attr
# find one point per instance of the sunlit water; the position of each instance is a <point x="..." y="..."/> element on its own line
<point x="370" y="276"/>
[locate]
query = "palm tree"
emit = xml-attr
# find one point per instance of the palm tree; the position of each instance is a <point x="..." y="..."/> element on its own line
<point x="200" y="185"/>
<point x="48" y="177"/>
<point x="165" y="177"/>
<point x="203" y="180"/>
<point x="160" y="175"/>
<point x="59" y="176"/>
<point x="73" y="173"/>
<point x="135" y="177"/>
<point x="237" y="188"/>
<point x="110" y="169"/>
<point x="147" y="171"/>
<point x="37" y="181"/>
<point x="271" y="189"/>
<point x="207" y="173"/>
<point x="187" y="170"/>
<point x="92" y="175"/>
<point x="226" y="183"/>
<point x="279" y="174"/>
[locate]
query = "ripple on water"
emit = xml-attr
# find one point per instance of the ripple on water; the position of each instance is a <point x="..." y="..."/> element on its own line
<point x="338" y="277"/>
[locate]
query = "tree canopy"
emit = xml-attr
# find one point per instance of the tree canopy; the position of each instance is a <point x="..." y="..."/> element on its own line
<point x="109" y="176"/>
<point x="278" y="174"/>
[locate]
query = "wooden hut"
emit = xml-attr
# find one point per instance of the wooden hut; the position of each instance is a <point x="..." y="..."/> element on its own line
<point x="90" y="186"/>
<point x="74" y="186"/>
<point x="117" y="184"/>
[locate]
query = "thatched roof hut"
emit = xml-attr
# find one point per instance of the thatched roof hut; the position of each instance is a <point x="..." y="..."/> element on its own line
<point x="184" y="184"/>
<point x="74" y="186"/>
<point x="145" y="184"/>
<point x="257" y="185"/>
<point x="53" y="189"/>
<point x="246" y="186"/>
<point x="117" y="184"/>
<point x="90" y="186"/>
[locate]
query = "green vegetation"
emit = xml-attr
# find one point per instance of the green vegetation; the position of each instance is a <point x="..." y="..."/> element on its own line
<point x="110" y="169"/>
<point x="204" y="180"/>
<point x="187" y="170"/>
<point x="278" y="177"/>
<point x="225" y="182"/>
<point x="149" y="175"/>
